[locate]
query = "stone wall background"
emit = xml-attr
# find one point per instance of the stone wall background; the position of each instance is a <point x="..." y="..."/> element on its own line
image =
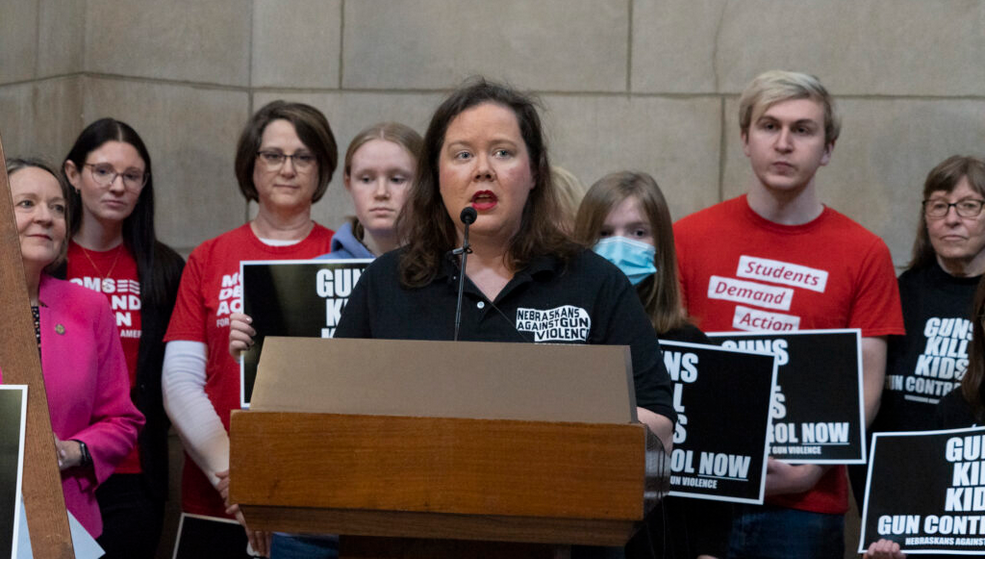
<point x="641" y="84"/>
<point x="650" y="85"/>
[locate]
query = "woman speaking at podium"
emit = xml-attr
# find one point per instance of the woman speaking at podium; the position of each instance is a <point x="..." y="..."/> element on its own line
<point x="484" y="151"/>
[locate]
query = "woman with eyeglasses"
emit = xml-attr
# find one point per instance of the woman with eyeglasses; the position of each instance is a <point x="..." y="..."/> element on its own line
<point x="113" y="250"/>
<point x="378" y="170"/>
<point x="285" y="159"/>
<point x="937" y="292"/>
<point x="94" y="422"/>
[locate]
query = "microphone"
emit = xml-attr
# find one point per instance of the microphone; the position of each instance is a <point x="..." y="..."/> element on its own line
<point x="467" y="217"/>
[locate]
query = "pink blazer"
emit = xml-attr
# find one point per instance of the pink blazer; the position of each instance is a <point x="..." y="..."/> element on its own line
<point x="88" y="387"/>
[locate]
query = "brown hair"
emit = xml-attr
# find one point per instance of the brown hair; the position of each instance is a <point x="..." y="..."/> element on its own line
<point x="396" y="133"/>
<point x="660" y="293"/>
<point x="570" y="192"/>
<point x="312" y="128"/>
<point x="945" y="177"/>
<point x="971" y="384"/>
<point x="16" y="164"/>
<point x="425" y="223"/>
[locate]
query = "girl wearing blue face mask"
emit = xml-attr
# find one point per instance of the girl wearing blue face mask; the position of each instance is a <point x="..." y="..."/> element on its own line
<point x="624" y="218"/>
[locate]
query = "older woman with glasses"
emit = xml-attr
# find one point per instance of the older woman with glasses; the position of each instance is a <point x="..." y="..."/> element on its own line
<point x="94" y="422"/>
<point x="936" y="290"/>
<point x="285" y="160"/>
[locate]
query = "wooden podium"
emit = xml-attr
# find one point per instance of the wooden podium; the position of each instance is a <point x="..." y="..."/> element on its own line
<point x="526" y="444"/>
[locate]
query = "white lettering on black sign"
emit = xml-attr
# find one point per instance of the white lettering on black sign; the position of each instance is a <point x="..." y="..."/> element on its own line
<point x="335" y="286"/>
<point x="683" y="369"/>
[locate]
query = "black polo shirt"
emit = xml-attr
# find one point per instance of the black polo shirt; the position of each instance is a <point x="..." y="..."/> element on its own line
<point x="589" y="301"/>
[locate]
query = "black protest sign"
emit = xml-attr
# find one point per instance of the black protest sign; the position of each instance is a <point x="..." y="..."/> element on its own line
<point x="293" y="299"/>
<point x="206" y="537"/>
<point x="13" y="414"/>
<point x="818" y="410"/>
<point x="926" y="491"/>
<point x="722" y="399"/>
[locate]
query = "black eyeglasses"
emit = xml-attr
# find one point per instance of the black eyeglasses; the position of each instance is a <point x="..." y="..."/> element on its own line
<point x="966" y="208"/>
<point x="274" y="160"/>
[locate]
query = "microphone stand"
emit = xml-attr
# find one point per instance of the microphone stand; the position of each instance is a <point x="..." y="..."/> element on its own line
<point x="468" y="217"/>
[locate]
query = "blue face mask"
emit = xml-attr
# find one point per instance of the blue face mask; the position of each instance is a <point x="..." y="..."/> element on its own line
<point x="634" y="259"/>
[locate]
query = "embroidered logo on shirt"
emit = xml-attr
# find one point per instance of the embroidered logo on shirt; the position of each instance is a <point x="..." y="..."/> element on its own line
<point x="564" y="323"/>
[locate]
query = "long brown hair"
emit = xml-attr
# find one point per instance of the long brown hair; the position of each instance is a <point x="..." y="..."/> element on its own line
<point x="944" y="177"/>
<point x="660" y="293"/>
<point x="424" y="222"/>
<point x="971" y="385"/>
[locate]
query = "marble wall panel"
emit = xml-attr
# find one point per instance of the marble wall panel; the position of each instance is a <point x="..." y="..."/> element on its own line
<point x="184" y="40"/>
<point x="881" y="47"/>
<point x="61" y="40"/>
<point x="674" y="140"/>
<point x="41" y="118"/>
<point x="675" y="44"/>
<point x="555" y="45"/>
<point x="296" y="44"/>
<point x="18" y="40"/>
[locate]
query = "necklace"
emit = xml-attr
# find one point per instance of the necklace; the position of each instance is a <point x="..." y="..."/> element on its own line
<point x="119" y="249"/>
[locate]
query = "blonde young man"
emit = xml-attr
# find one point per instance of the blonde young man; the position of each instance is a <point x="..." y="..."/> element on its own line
<point x="789" y="127"/>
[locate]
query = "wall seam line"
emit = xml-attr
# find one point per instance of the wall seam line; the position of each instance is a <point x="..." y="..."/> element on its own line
<point x="426" y="91"/>
<point x="722" y="147"/>
<point x="37" y="42"/>
<point x="249" y="95"/>
<point x="341" y="43"/>
<point x="629" y="47"/>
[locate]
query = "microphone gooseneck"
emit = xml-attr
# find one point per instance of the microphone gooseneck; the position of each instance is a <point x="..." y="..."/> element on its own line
<point x="467" y="217"/>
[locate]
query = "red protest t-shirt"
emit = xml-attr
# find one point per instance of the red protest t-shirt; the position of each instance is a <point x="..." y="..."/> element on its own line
<point x="114" y="273"/>
<point x="210" y="290"/>
<point x="830" y="273"/>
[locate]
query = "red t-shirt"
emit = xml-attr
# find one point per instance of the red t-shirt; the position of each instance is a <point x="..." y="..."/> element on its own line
<point x="210" y="290"/>
<point x="114" y="273"/>
<point x="830" y="273"/>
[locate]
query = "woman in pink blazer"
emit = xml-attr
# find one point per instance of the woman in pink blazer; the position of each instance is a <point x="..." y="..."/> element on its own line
<point x="85" y="373"/>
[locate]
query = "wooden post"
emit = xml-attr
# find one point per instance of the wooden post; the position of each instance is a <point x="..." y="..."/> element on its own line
<point x="42" y="487"/>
